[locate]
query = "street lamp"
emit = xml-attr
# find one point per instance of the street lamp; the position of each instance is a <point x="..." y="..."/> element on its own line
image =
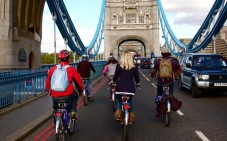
<point x="74" y="57"/>
<point x="66" y="43"/>
<point x="54" y="19"/>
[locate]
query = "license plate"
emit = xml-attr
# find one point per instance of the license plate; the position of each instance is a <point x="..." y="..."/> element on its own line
<point x="220" y="84"/>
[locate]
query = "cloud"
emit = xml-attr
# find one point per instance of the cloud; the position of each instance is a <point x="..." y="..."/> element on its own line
<point x="189" y="12"/>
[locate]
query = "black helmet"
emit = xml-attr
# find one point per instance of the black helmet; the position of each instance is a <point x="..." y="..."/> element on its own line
<point x="111" y="58"/>
<point x="85" y="57"/>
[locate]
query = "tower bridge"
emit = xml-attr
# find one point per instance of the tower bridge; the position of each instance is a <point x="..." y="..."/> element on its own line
<point x="123" y="25"/>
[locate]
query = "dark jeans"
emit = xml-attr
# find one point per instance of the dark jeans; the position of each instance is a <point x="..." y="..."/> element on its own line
<point x="160" y="89"/>
<point x="73" y="98"/>
<point x="119" y="102"/>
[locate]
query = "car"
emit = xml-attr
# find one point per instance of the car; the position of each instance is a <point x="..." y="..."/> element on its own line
<point x="145" y="62"/>
<point x="203" y="72"/>
<point x="136" y="60"/>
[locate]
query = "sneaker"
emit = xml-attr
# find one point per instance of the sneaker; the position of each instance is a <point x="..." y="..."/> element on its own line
<point x="158" y="114"/>
<point x="132" y="117"/>
<point x="73" y="115"/>
<point x="91" y="99"/>
<point x="118" y="115"/>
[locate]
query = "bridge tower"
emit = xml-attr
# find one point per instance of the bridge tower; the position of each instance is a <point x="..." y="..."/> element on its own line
<point x="20" y="33"/>
<point x="131" y="25"/>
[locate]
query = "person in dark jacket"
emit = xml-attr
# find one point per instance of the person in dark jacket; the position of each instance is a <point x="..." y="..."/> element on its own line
<point x="125" y="75"/>
<point x="85" y="67"/>
<point x="73" y="77"/>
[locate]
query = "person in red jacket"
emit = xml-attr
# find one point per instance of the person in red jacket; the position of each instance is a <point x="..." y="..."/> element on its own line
<point x="73" y="77"/>
<point x="85" y="67"/>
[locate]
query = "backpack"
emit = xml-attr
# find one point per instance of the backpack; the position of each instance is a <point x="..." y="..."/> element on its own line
<point x="175" y="104"/>
<point x="165" y="68"/>
<point x="59" y="79"/>
<point x="161" y="106"/>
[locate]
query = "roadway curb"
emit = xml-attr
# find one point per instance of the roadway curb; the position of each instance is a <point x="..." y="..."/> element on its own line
<point x="22" y="103"/>
<point x="21" y="134"/>
<point x="29" y="128"/>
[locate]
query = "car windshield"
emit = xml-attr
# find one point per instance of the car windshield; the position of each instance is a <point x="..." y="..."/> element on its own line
<point x="208" y="61"/>
<point x="145" y="60"/>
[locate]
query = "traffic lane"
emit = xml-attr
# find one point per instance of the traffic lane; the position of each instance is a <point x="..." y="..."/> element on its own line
<point x="207" y="114"/>
<point x="96" y="121"/>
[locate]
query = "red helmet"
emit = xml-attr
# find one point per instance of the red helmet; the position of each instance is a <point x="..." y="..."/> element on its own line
<point x="63" y="55"/>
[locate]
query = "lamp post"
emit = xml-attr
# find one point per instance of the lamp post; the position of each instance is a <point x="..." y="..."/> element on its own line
<point x="74" y="57"/>
<point x="214" y="42"/>
<point x="66" y="43"/>
<point x="54" y="19"/>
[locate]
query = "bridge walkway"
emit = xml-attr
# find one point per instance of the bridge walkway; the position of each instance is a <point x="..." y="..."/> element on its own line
<point x="19" y="120"/>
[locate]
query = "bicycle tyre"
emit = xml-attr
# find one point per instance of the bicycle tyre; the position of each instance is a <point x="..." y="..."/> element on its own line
<point x="85" y="100"/>
<point x="71" y="126"/>
<point x="60" y="135"/>
<point x="114" y="106"/>
<point x="167" y="119"/>
<point x="125" y="132"/>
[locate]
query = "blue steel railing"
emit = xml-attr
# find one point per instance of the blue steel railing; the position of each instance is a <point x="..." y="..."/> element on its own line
<point x="20" y="84"/>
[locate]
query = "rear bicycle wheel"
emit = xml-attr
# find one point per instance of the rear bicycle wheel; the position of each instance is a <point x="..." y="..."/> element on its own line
<point x="125" y="132"/>
<point x="114" y="106"/>
<point x="71" y="126"/>
<point x="167" y="114"/>
<point x="60" y="135"/>
<point x="126" y="119"/>
<point x="85" y="100"/>
<point x="167" y="119"/>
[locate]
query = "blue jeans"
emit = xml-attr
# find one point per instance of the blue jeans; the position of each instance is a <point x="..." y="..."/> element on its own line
<point x="119" y="102"/>
<point x="160" y="89"/>
<point x="89" y="87"/>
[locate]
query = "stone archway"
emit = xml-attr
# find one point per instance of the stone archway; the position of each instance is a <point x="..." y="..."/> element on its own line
<point x="137" y="44"/>
<point x="131" y="45"/>
<point x="31" y="60"/>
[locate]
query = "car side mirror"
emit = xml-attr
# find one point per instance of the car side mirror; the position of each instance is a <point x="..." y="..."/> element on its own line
<point x="188" y="65"/>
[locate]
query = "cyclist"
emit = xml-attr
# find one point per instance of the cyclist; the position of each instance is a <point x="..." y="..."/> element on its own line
<point x="125" y="74"/>
<point x="110" y="68"/>
<point x="69" y="93"/>
<point x="84" y="67"/>
<point x="175" y="68"/>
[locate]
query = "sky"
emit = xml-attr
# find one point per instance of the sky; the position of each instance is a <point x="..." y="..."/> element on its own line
<point x="184" y="16"/>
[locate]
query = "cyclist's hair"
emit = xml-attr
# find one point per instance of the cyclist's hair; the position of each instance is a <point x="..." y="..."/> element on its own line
<point x="126" y="61"/>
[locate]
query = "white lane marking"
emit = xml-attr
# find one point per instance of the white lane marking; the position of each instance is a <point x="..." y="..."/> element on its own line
<point x="147" y="79"/>
<point x="202" y="136"/>
<point x="180" y="113"/>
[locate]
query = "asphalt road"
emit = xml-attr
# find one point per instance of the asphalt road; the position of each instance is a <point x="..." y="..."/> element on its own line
<point x="199" y="119"/>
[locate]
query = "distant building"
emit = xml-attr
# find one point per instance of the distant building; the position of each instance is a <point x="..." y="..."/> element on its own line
<point x="219" y="46"/>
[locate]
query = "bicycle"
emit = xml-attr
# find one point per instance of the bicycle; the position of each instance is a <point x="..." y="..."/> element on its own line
<point x="113" y="99"/>
<point x="86" y="98"/>
<point x="167" y="98"/>
<point x="63" y="123"/>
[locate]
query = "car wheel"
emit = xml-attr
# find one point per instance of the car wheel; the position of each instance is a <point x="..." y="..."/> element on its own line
<point x="180" y="84"/>
<point x="195" y="91"/>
